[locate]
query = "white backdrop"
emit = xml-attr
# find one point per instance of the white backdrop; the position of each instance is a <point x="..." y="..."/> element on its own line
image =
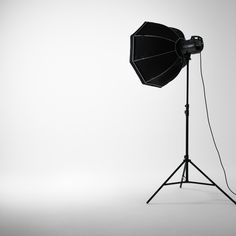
<point x="76" y="123"/>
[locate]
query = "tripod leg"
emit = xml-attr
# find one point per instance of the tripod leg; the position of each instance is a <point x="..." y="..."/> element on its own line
<point x="165" y="182"/>
<point x="183" y="176"/>
<point x="213" y="182"/>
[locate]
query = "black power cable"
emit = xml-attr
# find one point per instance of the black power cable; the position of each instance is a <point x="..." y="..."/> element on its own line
<point x="209" y="124"/>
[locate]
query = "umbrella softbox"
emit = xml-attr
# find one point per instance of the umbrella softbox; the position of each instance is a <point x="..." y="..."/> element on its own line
<point x="155" y="55"/>
<point x="158" y="53"/>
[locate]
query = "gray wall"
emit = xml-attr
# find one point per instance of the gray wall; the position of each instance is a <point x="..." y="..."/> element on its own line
<point x="77" y="124"/>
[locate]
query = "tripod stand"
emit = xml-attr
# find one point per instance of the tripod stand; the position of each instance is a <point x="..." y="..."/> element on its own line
<point x="187" y="161"/>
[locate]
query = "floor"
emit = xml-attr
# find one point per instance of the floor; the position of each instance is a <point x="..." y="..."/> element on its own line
<point x="192" y="210"/>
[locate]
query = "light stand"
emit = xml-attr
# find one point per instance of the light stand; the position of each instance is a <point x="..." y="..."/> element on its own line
<point x="157" y="54"/>
<point x="187" y="161"/>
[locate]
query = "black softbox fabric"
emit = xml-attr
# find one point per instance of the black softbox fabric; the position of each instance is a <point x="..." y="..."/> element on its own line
<point x="154" y="53"/>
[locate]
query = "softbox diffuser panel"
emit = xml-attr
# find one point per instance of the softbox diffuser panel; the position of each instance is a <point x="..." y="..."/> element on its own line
<point x="154" y="54"/>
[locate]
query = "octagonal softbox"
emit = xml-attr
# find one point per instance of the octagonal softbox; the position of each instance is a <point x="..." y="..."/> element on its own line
<point x="155" y="55"/>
